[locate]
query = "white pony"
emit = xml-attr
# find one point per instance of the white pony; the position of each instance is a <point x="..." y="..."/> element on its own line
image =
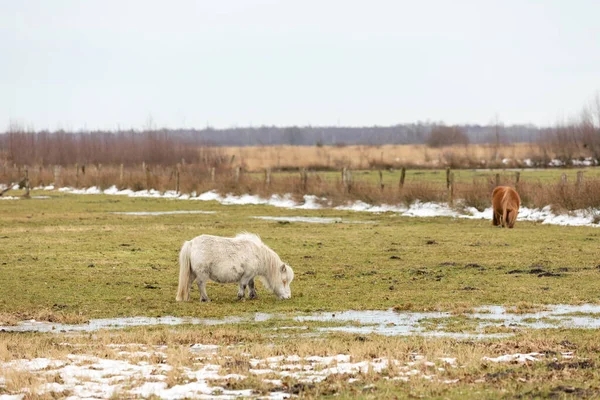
<point x="227" y="260"/>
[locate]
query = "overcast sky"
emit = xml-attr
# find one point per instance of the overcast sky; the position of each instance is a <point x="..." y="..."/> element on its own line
<point x="121" y="63"/>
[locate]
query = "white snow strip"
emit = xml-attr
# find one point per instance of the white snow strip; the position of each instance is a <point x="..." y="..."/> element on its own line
<point x="518" y="357"/>
<point x="11" y="396"/>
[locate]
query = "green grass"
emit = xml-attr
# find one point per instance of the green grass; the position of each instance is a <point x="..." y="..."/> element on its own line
<point x="69" y="253"/>
<point x="438" y="176"/>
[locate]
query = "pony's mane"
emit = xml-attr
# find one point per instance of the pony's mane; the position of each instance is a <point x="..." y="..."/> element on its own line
<point x="253" y="237"/>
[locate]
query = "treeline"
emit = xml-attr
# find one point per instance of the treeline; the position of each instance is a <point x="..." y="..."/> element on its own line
<point x="417" y="133"/>
<point x="108" y="148"/>
<point x="170" y="146"/>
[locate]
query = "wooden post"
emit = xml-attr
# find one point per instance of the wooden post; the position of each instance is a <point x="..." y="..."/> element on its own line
<point x="497" y="179"/>
<point x="121" y="174"/>
<point x="57" y="176"/>
<point x="83" y="169"/>
<point x="344" y="176"/>
<point x="304" y="179"/>
<point x="579" y="180"/>
<point x="268" y="176"/>
<point x="348" y="180"/>
<point x="381" y="179"/>
<point x="563" y="179"/>
<point x="177" y="181"/>
<point x="212" y="174"/>
<point x="27" y="188"/>
<point x="402" y="176"/>
<point x="237" y="174"/>
<point x="448" y="178"/>
<point x="143" y="166"/>
<point x="517" y="178"/>
<point x="147" y="176"/>
<point x="451" y="189"/>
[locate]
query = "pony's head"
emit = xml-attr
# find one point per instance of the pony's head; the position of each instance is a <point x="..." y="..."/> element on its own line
<point x="281" y="286"/>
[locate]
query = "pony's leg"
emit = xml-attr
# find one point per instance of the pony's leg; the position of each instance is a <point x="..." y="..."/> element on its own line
<point x="192" y="279"/>
<point x="510" y="220"/>
<point x="242" y="291"/>
<point x="202" y="289"/>
<point x="252" y="294"/>
<point x="495" y="219"/>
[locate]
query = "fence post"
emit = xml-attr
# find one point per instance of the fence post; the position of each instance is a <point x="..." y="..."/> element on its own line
<point x="121" y="175"/>
<point x="177" y="181"/>
<point x="497" y="179"/>
<point x="517" y="178"/>
<point x="57" y="176"/>
<point x="147" y="176"/>
<point x="143" y="166"/>
<point x="26" y="195"/>
<point x="212" y="174"/>
<point x="348" y="180"/>
<point x="448" y="178"/>
<point x="402" y="176"/>
<point x="268" y="176"/>
<point x="304" y="178"/>
<point x="381" y="179"/>
<point x="579" y="180"/>
<point x="237" y="174"/>
<point x="451" y="189"/>
<point x="563" y="179"/>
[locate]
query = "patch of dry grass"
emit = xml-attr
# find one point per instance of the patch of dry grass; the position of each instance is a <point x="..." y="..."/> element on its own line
<point x="44" y="314"/>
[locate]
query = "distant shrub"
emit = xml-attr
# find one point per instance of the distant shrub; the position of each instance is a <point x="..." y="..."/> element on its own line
<point x="443" y="135"/>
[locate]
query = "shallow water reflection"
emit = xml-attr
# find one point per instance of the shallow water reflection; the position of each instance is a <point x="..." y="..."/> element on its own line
<point x="383" y="322"/>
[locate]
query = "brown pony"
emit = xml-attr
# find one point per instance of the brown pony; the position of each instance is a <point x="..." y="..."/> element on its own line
<point x="505" y="202"/>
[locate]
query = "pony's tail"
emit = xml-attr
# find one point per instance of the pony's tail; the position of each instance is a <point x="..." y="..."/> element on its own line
<point x="185" y="267"/>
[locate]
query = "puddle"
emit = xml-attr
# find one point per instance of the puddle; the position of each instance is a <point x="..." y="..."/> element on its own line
<point x="553" y="316"/>
<point x="162" y="212"/>
<point x="117" y="323"/>
<point x="383" y="322"/>
<point x="314" y="220"/>
<point x="390" y="323"/>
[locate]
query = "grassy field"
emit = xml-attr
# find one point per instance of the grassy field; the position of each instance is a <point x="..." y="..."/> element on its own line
<point x="70" y="258"/>
<point x="391" y="178"/>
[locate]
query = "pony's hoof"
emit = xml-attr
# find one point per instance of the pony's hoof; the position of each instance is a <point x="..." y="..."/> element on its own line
<point x="207" y="300"/>
<point x="253" y="296"/>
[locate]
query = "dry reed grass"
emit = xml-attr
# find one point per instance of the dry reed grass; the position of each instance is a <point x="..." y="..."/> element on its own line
<point x="385" y="156"/>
